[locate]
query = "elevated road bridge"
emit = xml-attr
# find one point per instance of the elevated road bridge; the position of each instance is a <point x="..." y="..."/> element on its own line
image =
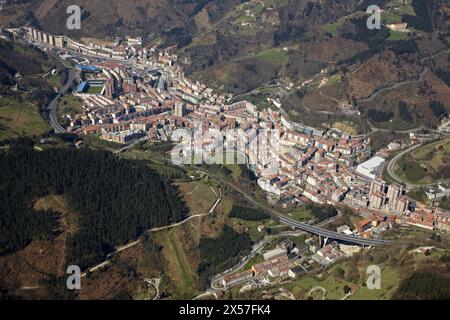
<point x="328" y="234"/>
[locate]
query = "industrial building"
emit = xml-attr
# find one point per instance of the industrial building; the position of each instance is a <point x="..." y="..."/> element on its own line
<point x="371" y="168"/>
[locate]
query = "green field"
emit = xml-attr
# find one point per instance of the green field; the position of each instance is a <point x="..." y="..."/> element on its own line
<point x="245" y="19"/>
<point x="334" y="286"/>
<point x="187" y="277"/>
<point x="300" y="214"/>
<point x="401" y="8"/>
<point x="275" y="56"/>
<point x="397" y="36"/>
<point x="390" y="279"/>
<point x="427" y="164"/>
<point x="251" y="228"/>
<point x="54" y="80"/>
<point x="70" y="105"/>
<point x="389" y="17"/>
<point x="259" y="100"/>
<point x="18" y="119"/>
<point x="95" y="90"/>
<point x="95" y="142"/>
<point x="270" y="3"/>
<point x="178" y="269"/>
<point x="255" y="260"/>
<point x="255" y="7"/>
<point x="198" y="196"/>
<point x="334" y="26"/>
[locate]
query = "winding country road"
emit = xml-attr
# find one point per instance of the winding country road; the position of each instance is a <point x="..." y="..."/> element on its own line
<point x="132" y="244"/>
<point x="402" y="83"/>
<point x="394" y="86"/>
<point x="406" y="131"/>
<point x="191" y="217"/>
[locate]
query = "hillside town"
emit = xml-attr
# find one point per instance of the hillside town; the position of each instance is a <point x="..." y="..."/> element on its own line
<point x="225" y="156"/>
<point x="131" y="92"/>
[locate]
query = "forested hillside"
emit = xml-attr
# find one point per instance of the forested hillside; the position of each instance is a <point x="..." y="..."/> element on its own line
<point x="256" y="49"/>
<point x="222" y="252"/>
<point x="425" y="285"/>
<point x="116" y="200"/>
<point x="247" y="213"/>
<point x="173" y="21"/>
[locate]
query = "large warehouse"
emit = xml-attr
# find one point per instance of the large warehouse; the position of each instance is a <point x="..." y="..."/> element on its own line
<point x="371" y="168"/>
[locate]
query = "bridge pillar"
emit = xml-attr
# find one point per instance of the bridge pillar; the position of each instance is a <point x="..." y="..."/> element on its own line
<point x="323" y="241"/>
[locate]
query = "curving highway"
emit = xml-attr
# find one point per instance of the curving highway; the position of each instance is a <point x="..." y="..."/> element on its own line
<point x="316" y="230"/>
<point x="51" y="108"/>
<point x="391" y="165"/>
<point x="391" y="169"/>
<point x="217" y="279"/>
<point x="331" y="234"/>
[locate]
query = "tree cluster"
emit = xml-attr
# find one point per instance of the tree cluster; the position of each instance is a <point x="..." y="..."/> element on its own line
<point x="116" y="200"/>
<point x="222" y="252"/>
<point x="247" y="213"/>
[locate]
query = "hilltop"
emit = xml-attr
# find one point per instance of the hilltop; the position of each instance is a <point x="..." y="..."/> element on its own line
<point x="172" y="20"/>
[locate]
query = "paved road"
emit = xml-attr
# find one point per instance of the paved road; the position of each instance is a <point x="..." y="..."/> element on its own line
<point x="52" y="106"/>
<point x="303" y="226"/>
<point x="402" y="83"/>
<point x="216" y="280"/>
<point x="394" y="86"/>
<point x="407" y="131"/>
<point x="391" y="165"/>
<point x="331" y="234"/>
<point x="394" y="176"/>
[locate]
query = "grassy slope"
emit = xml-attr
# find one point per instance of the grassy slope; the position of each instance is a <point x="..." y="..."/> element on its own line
<point x="19" y="115"/>
<point x="198" y="196"/>
<point x="18" y="119"/>
<point x="70" y="105"/>
<point x="426" y="164"/>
